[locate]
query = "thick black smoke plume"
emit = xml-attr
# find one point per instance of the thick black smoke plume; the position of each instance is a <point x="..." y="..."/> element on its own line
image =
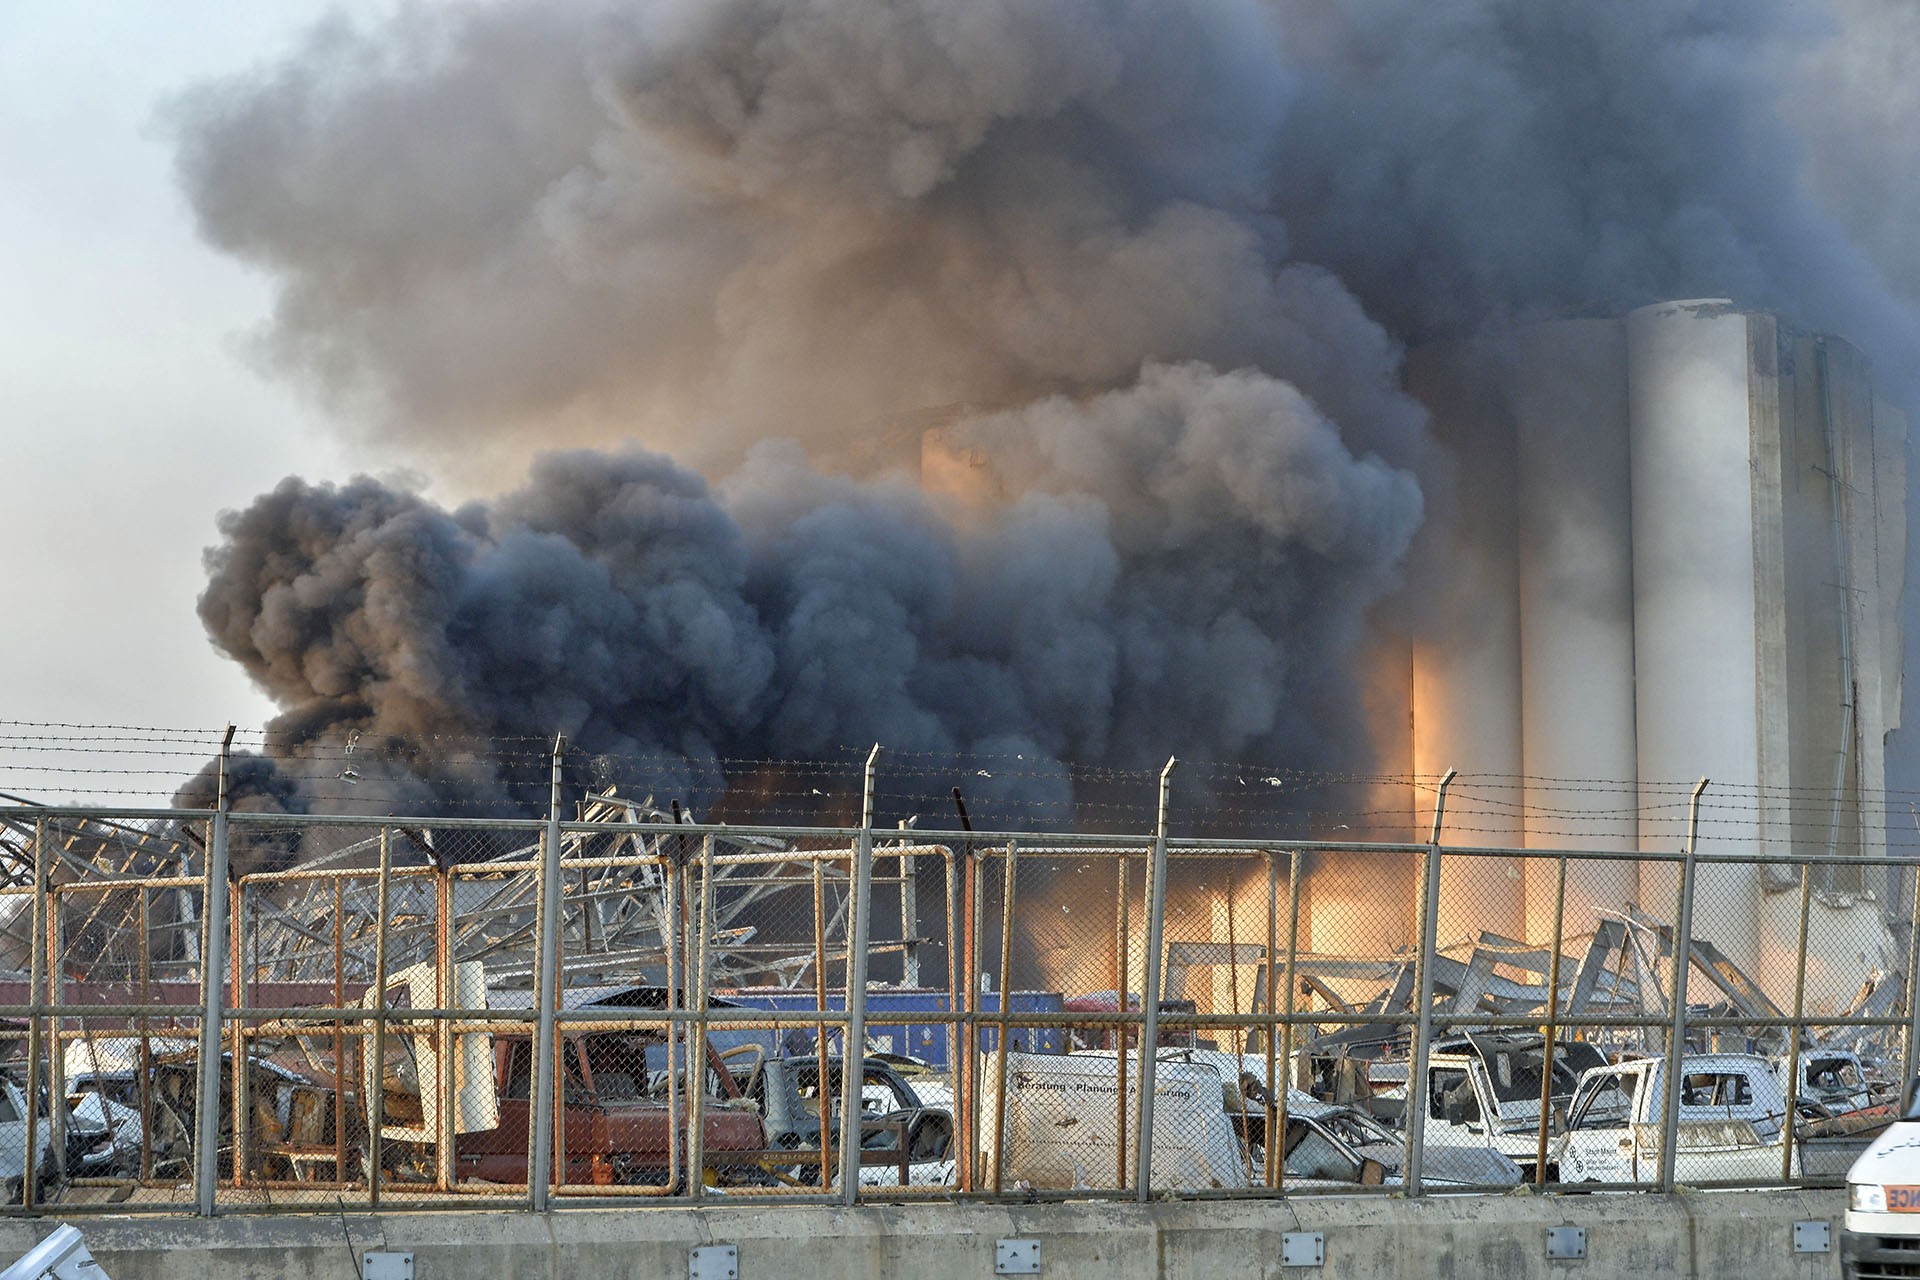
<point x="1108" y="614"/>
<point x="1149" y="264"/>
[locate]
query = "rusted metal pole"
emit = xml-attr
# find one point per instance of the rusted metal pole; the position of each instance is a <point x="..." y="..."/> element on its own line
<point x="376" y="1077"/>
<point x="445" y="1122"/>
<point x="956" y="979"/>
<point x="236" y="966"/>
<point x="1238" y="1034"/>
<point x="973" y="1060"/>
<point x="1008" y="883"/>
<point x="1276" y="1142"/>
<point x="675" y="937"/>
<point x="1270" y="1145"/>
<point x="37" y="970"/>
<point x="1150" y="997"/>
<point x="212" y="996"/>
<point x="57" y="1057"/>
<point x="339" y="1035"/>
<point x="1119" y="1031"/>
<point x="697" y="1052"/>
<point x="1682" y="962"/>
<point x="547" y="1001"/>
<point x="1553" y="1017"/>
<point x="1427" y="943"/>
<point x="146" y="1034"/>
<point x="853" y="1059"/>
<point x="821" y="1091"/>
<point x="1907" y="1064"/>
<point x="1794" y="1068"/>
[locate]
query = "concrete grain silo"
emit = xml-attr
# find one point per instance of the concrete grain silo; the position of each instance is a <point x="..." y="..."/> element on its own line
<point x="1697" y="571"/>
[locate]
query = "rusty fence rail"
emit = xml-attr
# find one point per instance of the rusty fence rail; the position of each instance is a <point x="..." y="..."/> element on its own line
<point x="249" y="1012"/>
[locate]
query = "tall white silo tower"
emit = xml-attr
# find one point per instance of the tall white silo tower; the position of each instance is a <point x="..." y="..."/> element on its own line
<point x="1706" y="558"/>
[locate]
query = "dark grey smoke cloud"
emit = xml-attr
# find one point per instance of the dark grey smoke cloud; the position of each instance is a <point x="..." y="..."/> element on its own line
<point x="1149" y="264"/>
<point x="1463" y="163"/>
<point x="1106" y="616"/>
<point x="701" y="225"/>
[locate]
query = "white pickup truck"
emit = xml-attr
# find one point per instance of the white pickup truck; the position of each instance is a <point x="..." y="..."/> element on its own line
<point x="1484" y="1091"/>
<point x="1834" y="1078"/>
<point x="1732" y="1113"/>
<point x="1882" y="1235"/>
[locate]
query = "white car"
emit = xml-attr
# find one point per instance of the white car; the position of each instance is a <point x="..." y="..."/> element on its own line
<point x="1731" y="1117"/>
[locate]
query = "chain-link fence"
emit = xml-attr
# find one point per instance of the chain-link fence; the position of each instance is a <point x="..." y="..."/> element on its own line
<point x="615" y="1005"/>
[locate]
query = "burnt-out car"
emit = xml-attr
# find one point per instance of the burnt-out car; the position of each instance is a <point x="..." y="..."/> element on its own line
<point x="623" y="1107"/>
<point x="903" y="1141"/>
<point x="298" y="1126"/>
<point x="617" y="1122"/>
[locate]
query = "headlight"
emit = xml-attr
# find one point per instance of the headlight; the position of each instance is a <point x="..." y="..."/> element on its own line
<point x="1866" y="1197"/>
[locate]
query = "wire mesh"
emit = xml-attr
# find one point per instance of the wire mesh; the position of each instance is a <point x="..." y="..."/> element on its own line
<point x="381" y="1002"/>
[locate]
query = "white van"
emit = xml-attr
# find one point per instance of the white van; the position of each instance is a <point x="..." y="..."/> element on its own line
<point x="1882" y="1235"/>
<point x="1062" y="1129"/>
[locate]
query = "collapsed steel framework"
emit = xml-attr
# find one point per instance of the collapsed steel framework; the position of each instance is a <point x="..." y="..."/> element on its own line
<point x="301" y="924"/>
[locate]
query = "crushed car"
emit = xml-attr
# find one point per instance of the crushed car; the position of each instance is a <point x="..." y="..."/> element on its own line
<point x="903" y="1140"/>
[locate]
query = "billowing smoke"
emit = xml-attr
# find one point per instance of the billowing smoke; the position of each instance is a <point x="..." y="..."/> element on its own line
<point x="1106" y="615"/>
<point x="1146" y="265"/>
<point x="702" y="225"/>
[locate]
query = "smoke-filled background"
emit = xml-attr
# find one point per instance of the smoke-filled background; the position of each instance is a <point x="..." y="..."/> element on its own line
<point x="985" y="379"/>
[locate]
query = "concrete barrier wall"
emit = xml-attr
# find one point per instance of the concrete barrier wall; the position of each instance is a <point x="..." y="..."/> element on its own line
<point x="1710" y="1235"/>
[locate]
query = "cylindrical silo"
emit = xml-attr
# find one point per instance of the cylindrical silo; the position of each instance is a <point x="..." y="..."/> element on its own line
<point x="1466" y="639"/>
<point x="1695" y="666"/>
<point x="1568" y="390"/>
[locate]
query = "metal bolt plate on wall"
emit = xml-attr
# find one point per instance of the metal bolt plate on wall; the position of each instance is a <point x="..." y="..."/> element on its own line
<point x="1813" y="1237"/>
<point x="1566" y="1243"/>
<point x="714" y="1262"/>
<point x="1302" y="1248"/>
<point x="1016" y="1257"/>
<point x="386" y="1266"/>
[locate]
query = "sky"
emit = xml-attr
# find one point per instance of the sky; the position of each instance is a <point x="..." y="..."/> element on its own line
<point x="130" y="414"/>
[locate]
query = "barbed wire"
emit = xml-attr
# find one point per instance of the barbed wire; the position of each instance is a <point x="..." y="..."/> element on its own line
<point x="71" y="762"/>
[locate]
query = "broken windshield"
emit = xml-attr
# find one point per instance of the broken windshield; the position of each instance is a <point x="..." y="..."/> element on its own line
<point x="1516" y="1072"/>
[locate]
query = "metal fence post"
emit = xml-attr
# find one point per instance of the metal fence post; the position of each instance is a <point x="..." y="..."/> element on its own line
<point x="213" y="958"/>
<point x="1553" y="1019"/>
<point x="1277" y="1133"/>
<point x="697" y="1051"/>
<point x="1150" y="993"/>
<point x="1799" y="1025"/>
<point x="1007" y="884"/>
<point x="1912" y="1038"/>
<point x="1428" y="925"/>
<point x="853" y="1056"/>
<point x="547" y="999"/>
<point x="37" y="972"/>
<point x="1122" y="982"/>
<point x="376" y="1077"/>
<point x="1682" y="961"/>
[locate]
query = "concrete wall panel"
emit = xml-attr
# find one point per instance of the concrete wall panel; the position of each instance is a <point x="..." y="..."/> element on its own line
<point x="1689" y="1237"/>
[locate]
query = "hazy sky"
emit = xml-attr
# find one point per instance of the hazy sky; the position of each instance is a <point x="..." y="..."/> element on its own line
<point x="129" y="414"/>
